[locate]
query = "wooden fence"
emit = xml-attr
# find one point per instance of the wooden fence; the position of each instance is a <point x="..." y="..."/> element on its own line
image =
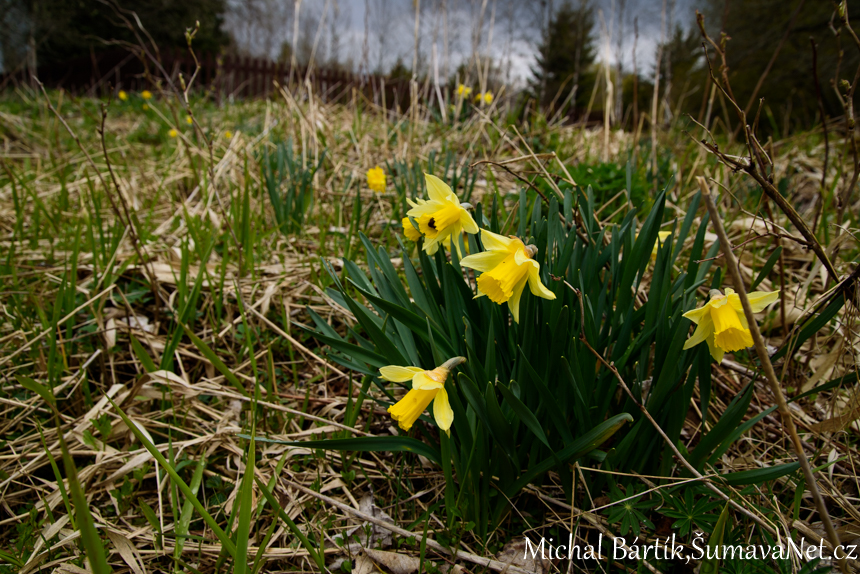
<point x="223" y="77"/>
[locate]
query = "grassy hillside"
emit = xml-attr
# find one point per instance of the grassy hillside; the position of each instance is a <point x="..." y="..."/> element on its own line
<point x="173" y="284"/>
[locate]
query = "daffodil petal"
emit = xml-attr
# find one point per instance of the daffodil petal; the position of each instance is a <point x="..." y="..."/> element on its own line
<point x="696" y="314"/>
<point x="758" y="300"/>
<point x="522" y="258"/>
<point x="397" y="374"/>
<point x="535" y="286"/>
<point x="483" y="261"/>
<point x="716" y="352"/>
<point x="704" y="330"/>
<point x="514" y="301"/>
<point x="437" y="189"/>
<point x="431" y="246"/>
<point x="495" y="242"/>
<point x="425" y="208"/>
<point x="467" y="222"/>
<point x="442" y="411"/>
<point x="422" y="382"/>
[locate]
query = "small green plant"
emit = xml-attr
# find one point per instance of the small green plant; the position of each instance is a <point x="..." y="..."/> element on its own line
<point x="289" y="182"/>
<point x="693" y="509"/>
<point x="628" y="510"/>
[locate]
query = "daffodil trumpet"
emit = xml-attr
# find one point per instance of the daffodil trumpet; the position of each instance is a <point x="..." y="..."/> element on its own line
<point x="427" y="386"/>
<point x="721" y="321"/>
<point x="441" y="219"/>
<point x="506" y="266"/>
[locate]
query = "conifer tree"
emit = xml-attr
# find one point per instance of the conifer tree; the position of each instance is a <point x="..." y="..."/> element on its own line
<point x="565" y="58"/>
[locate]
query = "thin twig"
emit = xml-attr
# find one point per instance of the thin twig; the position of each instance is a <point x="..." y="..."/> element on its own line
<point x="770" y="374"/>
<point x="611" y="366"/>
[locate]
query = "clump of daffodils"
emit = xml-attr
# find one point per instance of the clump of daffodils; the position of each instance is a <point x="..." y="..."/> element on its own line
<point x="440" y="220"/>
<point x="506" y="266"/>
<point x="427" y="386"/>
<point x="721" y="321"/>
<point x="464" y="91"/>
<point x="376" y="179"/>
<point x="484" y="98"/>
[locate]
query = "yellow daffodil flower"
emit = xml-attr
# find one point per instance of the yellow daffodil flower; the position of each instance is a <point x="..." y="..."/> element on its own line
<point x="376" y="179"/>
<point x="189" y="120"/>
<point x="173" y="133"/>
<point x="409" y="230"/>
<point x="661" y="237"/>
<point x="721" y="321"/>
<point x="506" y="266"/>
<point x="144" y="107"/>
<point x="484" y="98"/>
<point x="439" y="218"/>
<point x="426" y="386"/>
<point x="464" y="91"/>
<point x="122" y="95"/>
<point x="146" y="95"/>
<point x="228" y="134"/>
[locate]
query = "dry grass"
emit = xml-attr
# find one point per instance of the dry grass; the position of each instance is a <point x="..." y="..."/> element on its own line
<point x="76" y="293"/>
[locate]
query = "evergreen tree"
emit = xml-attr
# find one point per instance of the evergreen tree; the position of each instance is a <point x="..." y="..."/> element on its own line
<point x="565" y="58"/>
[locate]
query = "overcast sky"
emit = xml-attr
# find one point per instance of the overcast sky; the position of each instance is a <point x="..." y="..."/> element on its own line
<point x="374" y="34"/>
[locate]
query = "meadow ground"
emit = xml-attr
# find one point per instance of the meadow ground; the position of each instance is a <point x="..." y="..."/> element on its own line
<point x="167" y="295"/>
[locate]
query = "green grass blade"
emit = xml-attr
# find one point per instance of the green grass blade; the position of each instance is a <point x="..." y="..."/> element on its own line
<point x="142" y="356"/>
<point x="182" y="526"/>
<point x="364" y="444"/>
<point x="315" y="555"/>
<point x="186" y="490"/>
<point x="216" y="361"/>
<point x="771" y="261"/>
<point x="92" y="541"/>
<point x="712" y="565"/>
<point x="582" y="446"/>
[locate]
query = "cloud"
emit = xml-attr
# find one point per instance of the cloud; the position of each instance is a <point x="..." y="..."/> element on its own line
<point x="374" y="34"/>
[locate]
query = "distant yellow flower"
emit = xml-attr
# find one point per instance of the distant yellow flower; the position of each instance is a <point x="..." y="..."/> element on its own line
<point x="228" y="134"/>
<point x="146" y="95"/>
<point x="376" y="179"/>
<point x="722" y="323"/>
<point x="189" y="120"/>
<point x="484" y="98"/>
<point x="409" y="230"/>
<point x="144" y="107"/>
<point x="506" y="266"/>
<point x="464" y="91"/>
<point x="661" y="237"/>
<point x="441" y="217"/>
<point x="122" y="95"/>
<point x="426" y="386"/>
<point x="173" y="133"/>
